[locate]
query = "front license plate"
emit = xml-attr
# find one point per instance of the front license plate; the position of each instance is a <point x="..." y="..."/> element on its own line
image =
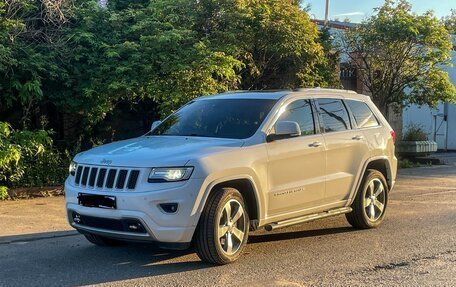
<point x="95" y="200"/>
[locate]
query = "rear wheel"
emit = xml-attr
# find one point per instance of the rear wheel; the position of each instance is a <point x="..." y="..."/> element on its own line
<point x="223" y="228"/>
<point x="102" y="241"/>
<point x="370" y="202"/>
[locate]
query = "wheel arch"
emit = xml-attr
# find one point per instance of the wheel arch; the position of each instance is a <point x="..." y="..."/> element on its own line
<point x="246" y="188"/>
<point x="249" y="191"/>
<point x="380" y="163"/>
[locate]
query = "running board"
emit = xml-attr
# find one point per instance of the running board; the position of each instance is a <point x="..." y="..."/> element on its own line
<point x="307" y="218"/>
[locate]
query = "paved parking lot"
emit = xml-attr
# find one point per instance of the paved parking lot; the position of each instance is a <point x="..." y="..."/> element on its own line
<point x="415" y="246"/>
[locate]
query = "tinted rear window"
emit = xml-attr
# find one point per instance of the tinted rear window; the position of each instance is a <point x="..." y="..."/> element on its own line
<point x="362" y="113"/>
<point x="334" y="115"/>
<point x="221" y="118"/>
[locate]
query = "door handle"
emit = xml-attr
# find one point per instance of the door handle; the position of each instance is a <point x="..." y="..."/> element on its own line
<point x="357" y="138"/>
<point x="315" y="144"/>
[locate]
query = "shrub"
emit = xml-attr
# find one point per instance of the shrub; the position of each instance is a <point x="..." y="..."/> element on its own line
<point x="415" y="133"/>
<point x="406" y="163"/>
<point x="3" y="192"/>
<point x="28" y="158"/>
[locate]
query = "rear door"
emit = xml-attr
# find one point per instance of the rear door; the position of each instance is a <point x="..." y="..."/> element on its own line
<point x="346" y="148"/>
<point x="369" y="125"/>
<point x="296" y="166"/>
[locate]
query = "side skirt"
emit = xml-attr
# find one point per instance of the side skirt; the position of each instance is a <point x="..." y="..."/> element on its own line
<point x="307" y="218"/>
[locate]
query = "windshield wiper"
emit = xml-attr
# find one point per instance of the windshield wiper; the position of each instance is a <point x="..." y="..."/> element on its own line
<point x="196" y="135"/>
<point x="179" y="135"/>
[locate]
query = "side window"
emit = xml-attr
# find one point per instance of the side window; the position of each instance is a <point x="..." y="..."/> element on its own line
<point x="300" y="111"/>
<point x="334" y="115"/>
<point x="362" y="113"/>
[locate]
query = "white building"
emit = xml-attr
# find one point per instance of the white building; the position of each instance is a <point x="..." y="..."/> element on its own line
<point x="440" y="122"/>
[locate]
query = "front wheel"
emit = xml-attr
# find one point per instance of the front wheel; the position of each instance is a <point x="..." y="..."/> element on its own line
<point x="223" y="229"/>
<point x="370" y="202"/>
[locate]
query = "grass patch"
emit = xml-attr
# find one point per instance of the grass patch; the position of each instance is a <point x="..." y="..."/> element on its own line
<point x="406" y="163"/>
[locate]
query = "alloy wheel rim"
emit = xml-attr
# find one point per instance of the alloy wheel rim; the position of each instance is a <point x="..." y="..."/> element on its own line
<point x="374" y="199"/>
<point x="231" y="227"/>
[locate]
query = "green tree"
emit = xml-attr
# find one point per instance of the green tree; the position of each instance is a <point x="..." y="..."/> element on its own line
<point x="399" y="54"/>
<point x="83" y="60"/>
<point x="275" y="40"/>
<point x="30" y="38"/>
<point x="450" y="22"/>
<point x="174" y="51"/>
<point x="330" y="67"/>
<point x="281" y="45"/>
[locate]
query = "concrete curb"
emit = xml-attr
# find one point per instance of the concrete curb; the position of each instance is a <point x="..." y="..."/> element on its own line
<point x="34" y="237"/>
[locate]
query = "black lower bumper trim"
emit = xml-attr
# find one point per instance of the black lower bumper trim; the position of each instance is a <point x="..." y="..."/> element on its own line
<point x="162" y="245"/>
<point x="124" y="225"/>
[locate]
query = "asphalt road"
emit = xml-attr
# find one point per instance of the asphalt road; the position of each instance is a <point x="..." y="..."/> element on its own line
<point x="415" y="246"/>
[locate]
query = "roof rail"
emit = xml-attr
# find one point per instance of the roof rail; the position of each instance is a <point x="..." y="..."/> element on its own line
<point x="324" y="89"/>
<point x="256" y="91"/>
<point x="235" y="91"/>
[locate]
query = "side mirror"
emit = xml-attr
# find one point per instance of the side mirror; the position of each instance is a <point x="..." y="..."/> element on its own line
<point x="283" y="130"/>
<point x="155" y="124"/>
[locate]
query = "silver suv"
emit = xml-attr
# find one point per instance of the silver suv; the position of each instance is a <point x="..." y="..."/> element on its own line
<point x="227" y="164"/>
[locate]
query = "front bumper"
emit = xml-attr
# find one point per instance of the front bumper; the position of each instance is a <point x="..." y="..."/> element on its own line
<point x="142" y="207"/>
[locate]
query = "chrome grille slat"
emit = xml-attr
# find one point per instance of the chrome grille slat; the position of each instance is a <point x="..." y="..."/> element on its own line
<point x="115" y="179"/>
<point x="126" y="178"/>
<point x="96" y="178"/>
<point x="103" y="177"/>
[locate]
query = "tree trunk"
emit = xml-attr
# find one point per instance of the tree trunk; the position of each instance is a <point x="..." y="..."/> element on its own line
<point x="393" y="117"/>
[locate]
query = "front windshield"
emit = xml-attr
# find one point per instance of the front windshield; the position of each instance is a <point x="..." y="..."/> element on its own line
<point x="219" y="118"/>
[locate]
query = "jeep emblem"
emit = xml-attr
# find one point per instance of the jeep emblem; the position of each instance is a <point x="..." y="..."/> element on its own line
<point x="106" y="161"/>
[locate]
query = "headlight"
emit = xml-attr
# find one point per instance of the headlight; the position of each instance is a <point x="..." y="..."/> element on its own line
<point x="167" y="174"/>
<point x="72" y="168"/>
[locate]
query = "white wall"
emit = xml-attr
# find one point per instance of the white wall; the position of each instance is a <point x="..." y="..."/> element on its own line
<point x="431" y="120"/>
<point x="424" y="116"/>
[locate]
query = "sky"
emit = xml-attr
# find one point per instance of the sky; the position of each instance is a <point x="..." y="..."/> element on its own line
<point x="357" y="10"/>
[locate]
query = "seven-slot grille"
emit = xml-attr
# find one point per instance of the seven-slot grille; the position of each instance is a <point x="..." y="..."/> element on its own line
<point x="106" y="177"/>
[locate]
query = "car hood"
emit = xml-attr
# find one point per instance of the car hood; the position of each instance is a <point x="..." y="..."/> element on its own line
<point x="155" y="151"/>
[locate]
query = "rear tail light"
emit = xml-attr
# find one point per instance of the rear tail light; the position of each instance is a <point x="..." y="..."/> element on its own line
<point x="393" y="135"/>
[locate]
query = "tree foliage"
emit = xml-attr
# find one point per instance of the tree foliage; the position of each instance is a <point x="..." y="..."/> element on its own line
<point x="30" y="38"/>
<point x="83" y="59"/>
<point x="27" y="158"/>
<point x="450" y="22"/>
<point x="399" y="55"/>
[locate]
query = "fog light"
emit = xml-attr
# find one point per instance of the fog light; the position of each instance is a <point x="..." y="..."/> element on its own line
<point x="76" y="218"/>
<point x="134" y="227"/>
<point x="169" y="207"/>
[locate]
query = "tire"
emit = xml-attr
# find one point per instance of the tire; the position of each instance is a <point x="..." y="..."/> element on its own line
<point x="220" y="239"/>
<point x="102" y="241"/>
<point x="371" y="196"/>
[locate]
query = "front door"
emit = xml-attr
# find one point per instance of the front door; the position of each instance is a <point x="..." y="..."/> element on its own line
<point x="296" y="166"/>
